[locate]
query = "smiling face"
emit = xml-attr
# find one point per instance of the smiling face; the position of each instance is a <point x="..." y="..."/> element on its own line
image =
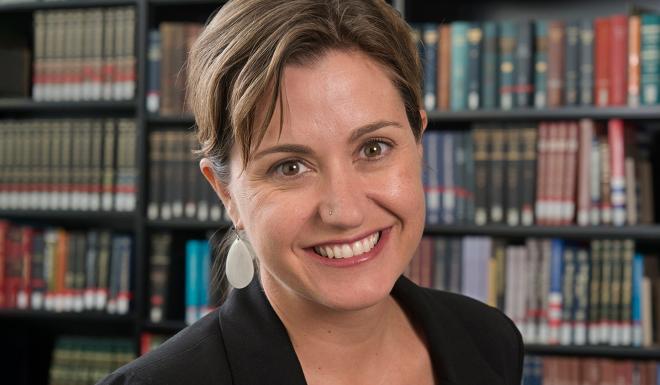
<point x="342" y="180"/>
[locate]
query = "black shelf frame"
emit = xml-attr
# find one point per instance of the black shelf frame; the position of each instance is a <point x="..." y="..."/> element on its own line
<point x="29" y="6"/>
<point x="641" y="232"/>
<point x="620" y="352"/>
<point x="186" y="224"/>
<point x="176" y="121"/>
<point x="51" y="316"/>
<point x="562" y="113"/>
<point x="28" y="105"/>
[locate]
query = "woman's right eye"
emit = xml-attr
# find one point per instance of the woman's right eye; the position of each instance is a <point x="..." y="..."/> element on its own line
<point x="290" y="168"/>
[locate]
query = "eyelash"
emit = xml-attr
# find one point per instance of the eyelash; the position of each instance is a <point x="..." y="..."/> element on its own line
<point x="381" y="141"/>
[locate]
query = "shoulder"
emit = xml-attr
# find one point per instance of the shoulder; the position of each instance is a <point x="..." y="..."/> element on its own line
<point x="493" y="333"/>
<point x="193" y="356"/>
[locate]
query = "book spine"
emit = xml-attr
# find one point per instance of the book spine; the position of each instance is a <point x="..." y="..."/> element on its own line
<point x="429" y="36"/>
<point x="595" y="293"/>
<point x="524" y="83"/>
<point x="459" y="63"/>
<point x="513" y="171"/>
<point x="632" y="185"/>
<point x="497" y="162"/>
<point x="594" y="180"/>
<point x="650" y="58"/>
<point x="153" y="68"/>
<point x="571" y="69"/>
<point x="38" y="67"/>
<point x="489" y="69"/>
<point x="568" y="296"/>
<point x="617" y="176"/>
<point x="26" y="255"/>
<point x="570" y="173"/>
<point x="469" y="175"/>
<point x="541" y="174"/>
<point x="618" y="60"/>
<point x="555" y="293"/>
<point x="584" y="169"/>
<point x="616" y="286"/>
<point x="586" y="76"/>
<point x="606" y="287"/>
<point x="582" y="298"/>
<point x="481" y="166"/>
<point x="507" y="74"/>
<point x="445" y="65"/>
<point x="460" y="190"/>
<point x="605" y="181"/>
<point x="37" y="272"/>
<point x="637" y="336"/>
<point x="474" y="79"/>
<point x="448" y="184"/>
<point x="91" y="269"/>
<point x="556" y="62"/>
<point x="602" y="65"/>
<point x="193" y="280"/>
<point x="529" y="166"/>
<point x="109" y="52"/>
<point x="627" y="321"/>
<point x="541" y="64"/>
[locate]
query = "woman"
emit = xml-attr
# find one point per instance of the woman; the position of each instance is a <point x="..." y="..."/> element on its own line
<point x="309" y="114"/>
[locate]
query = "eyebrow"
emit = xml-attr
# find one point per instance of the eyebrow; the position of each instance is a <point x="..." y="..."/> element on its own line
<point x="305" y="150"/>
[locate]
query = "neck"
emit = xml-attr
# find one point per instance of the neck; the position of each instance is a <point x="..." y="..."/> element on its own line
<point x="327" y="339"/>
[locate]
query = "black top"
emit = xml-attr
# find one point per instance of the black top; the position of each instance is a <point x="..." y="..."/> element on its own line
<point x="245" y="343"/>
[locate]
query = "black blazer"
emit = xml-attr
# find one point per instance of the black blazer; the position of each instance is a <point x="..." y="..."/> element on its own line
<point x="245" y="343"/>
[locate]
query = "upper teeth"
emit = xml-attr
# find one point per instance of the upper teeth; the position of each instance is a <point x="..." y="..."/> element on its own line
<point x="347" y="250"/>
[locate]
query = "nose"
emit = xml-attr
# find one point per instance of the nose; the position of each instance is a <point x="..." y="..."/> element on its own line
<point x="342" y="202"/>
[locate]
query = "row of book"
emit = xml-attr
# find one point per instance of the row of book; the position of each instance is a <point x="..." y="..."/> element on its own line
<point x="588" y="371"/>
<point x="557" y="292"/>
<point x="82" y="361"/>
<point x="68" y="164"/>
<point x="168" y="48"/>
<point x="177" y="187"/>
<point x="84" y="54"/>
<point x="165" y="253"/>
<point x="548" y="173"/>
<point x="53" y="269"/>
<point x="606" y="61"/>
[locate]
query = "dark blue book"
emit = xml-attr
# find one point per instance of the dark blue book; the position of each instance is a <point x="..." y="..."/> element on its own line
<point x="586" y="73"/>
<point x="459" y="64"/>
<point x="474" y="37"/>
<point x="430" y="62"/>
<point x="153" y="71"/>
<point x="524" y="84"/>
<point x="541" y="64"/>
<point x="507" y="46"/>
<point x="571" y="68"/>
<point x="489" y="71"/>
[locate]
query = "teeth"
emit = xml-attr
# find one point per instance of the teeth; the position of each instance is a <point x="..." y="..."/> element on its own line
<point x="348" y="250"/>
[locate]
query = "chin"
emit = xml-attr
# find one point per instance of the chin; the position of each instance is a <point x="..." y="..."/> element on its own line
<point x="356" y="295"/>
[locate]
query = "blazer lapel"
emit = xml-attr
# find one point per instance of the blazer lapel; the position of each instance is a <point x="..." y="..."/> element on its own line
<point x="257" y="345"/>
<point x="456" y="359"/>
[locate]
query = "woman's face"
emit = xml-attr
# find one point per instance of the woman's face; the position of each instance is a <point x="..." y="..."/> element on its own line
<point x="345" y="173"/>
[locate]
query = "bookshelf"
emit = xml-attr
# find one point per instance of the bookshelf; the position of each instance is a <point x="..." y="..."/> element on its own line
<point x="148" y="15"/>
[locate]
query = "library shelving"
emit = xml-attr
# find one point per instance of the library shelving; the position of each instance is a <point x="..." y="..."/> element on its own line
<point x="23" y="325"/>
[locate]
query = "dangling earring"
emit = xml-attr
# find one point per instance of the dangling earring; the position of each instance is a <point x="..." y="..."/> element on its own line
<point x="239" y="268"/>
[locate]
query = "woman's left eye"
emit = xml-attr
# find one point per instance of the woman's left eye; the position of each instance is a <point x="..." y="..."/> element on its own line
<point x="375" y="148"/>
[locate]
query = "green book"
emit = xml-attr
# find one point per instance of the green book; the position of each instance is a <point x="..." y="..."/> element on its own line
<point x="650" y="58"/>
<point x="489" y="72"/>
<point x="507" y="45"/>
<point x="459" y="64"/>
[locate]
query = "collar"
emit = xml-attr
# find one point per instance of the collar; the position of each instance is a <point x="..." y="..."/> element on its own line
<point x="258" y="347"/>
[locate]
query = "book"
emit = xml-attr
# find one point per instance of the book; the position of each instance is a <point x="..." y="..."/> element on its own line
<point x="650" y="58"/>
<point x="507" y="53"/>
<point x="459" y="63"/>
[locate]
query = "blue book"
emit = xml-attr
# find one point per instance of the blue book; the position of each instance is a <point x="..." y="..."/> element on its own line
<point x="489" y="71"/>
<point x="193" y="281"/>
<point x="204" y="251"/>
<point x="430" y="64"/>
<point x="153" y="71"/>
<point x="507" y="45"/>
<point x="637" y="277"/>
<point x="650" y="59"/>
<point x="555" y="295"/>
<point x="459" y="64"/>
<point x="474" y="41"/>
<point x="541" y="64"/>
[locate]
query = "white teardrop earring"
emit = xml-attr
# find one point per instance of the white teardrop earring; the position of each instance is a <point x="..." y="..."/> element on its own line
<point x="239" y="267"/>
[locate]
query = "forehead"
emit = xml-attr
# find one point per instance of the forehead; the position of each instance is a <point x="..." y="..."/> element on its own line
<point x="332" y="95"/>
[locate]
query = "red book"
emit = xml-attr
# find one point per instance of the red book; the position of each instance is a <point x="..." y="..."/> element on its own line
<point x="4" y="230"/>
<point x="444" y="66"/>
<point x="570" y="172"/>
<point x="617" y="175"/>
<point x="618" y="95"/>
<point x="24" y="292"/>
<point x="13" y="266"/>
<point x="556" y="62"/>
<point x="558" y="139"/>
<point x="591" y="372"/>
<point x="602" y="62"/>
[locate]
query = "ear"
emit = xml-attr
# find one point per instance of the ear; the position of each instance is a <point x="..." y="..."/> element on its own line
<point x="221" y="190"/>
<point x="424" y="121"/>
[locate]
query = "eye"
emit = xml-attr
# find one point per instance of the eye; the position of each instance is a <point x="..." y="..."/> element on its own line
<point x="375" y="148"/>
<point x="290" y="168"/>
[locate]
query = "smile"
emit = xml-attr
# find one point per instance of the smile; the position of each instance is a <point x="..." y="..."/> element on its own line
<point x="348" y="250"/>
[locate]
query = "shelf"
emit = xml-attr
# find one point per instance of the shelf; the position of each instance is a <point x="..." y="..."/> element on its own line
<point x="165" y="327"/>
<point x="651" y="232"/>
<point x="27" y="105"/>
<point x="186" y="224"/>
<point x="27" y="6"/>
<point x="186" y="121"/>
<point x="113" y="220"/>
<point x="628" y="113"/>
<point x="626" y="352"/>
<point x="40" y="315"/>
<point x="187" y="2"/>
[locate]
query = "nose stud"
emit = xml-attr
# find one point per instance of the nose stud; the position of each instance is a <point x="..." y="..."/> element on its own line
<point x="330" y="212"/>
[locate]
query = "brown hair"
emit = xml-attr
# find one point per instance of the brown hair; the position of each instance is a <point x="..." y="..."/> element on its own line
<point x="237" y="62"/>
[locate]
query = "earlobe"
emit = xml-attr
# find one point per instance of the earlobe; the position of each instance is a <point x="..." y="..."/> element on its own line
<point x="424" y="120"/>
<point x="220" y="189"/>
